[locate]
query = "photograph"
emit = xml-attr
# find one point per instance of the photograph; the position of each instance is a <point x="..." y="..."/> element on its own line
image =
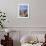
<point x="23" y="10"/>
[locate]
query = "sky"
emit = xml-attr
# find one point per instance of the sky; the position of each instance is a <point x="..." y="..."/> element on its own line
<point x="23" y="7"/>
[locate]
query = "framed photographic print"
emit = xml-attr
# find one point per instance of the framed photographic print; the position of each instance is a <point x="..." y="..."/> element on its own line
<point x="23" y="10"/>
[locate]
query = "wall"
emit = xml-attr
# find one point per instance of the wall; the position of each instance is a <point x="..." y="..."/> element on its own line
<point x="37" y="13"/>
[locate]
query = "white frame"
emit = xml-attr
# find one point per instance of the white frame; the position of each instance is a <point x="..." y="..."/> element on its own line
<point x="18" y="10"/>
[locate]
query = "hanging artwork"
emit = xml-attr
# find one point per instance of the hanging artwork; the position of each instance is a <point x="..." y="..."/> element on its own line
<point x="23" y="10"/>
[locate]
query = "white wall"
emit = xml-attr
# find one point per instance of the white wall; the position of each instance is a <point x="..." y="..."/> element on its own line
<point x="37" y="13"/>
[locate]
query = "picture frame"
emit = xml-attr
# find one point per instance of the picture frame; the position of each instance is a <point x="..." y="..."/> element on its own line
<point x="23" y="10"/>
